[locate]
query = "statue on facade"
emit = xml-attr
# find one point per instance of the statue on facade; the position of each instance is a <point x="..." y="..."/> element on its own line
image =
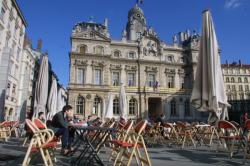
<point x="175" y="38"/>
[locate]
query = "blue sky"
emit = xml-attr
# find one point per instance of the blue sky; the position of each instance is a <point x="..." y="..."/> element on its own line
<point x="53" y="20"/>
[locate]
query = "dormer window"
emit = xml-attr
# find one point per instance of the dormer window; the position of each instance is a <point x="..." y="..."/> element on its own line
<point x="99" y="50"/>
<point x="82" y="49"/>
<point x="117" y="54"/>
<point x="170" y="58"/>
<point x="131" y="55"/>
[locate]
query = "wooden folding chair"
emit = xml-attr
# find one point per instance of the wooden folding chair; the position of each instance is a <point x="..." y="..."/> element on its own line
<point x="122" y="135"/>
<point x="205" y="134"/>
<point x="130" y="148"/>
<point x="229" y="136"/>
<point x="4" y="131"/>
<point x="39" y="124"/>
<point x="7" y="128"/>
<point x="42" y="141"/>
<point x="171" y="132"/>
<point x="185" y="133"/>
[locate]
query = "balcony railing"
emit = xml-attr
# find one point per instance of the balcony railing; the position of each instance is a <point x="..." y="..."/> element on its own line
<point x="145" y="89"/>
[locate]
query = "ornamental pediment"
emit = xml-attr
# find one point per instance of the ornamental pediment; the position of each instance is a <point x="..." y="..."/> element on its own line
<point x="98" y="63"/>
<point x="81" y="62"/>
<point x="89" y="34"/>
<point x="151" y="69"/>
<point x="115" y="67"/>
<point x="128" y="67"/>
<point x="169" y="71"/>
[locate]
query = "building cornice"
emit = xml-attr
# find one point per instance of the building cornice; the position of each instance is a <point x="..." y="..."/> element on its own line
<point x="19" y="12"/>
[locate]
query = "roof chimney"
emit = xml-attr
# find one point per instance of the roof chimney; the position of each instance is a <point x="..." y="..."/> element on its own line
<point x="27" y="42"/>
<point x="39" y="45"/>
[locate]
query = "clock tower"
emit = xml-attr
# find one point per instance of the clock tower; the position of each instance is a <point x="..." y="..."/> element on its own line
<point x="136" y="24"/>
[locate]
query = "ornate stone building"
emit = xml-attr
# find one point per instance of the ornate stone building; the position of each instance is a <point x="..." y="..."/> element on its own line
<point x="237" y="80"/>
<point x="12" y="30"/>
<point x="158" y="76"/>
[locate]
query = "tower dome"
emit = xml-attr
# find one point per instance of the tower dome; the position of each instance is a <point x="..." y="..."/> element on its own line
<point x="136" y="23"/>
<point x="136" y="10"/>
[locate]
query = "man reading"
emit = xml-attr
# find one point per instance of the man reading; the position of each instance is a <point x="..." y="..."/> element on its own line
<point x="60" y="126"/>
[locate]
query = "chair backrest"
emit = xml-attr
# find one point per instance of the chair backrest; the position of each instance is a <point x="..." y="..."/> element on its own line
<point x="31" y="126"/>
<point x="227" y="128"/>
<point x="9" y="124"/>
<point x="180" y="125"/>
<point x="223" y="124"/>
<point x="235" y="124"/>
<point x="140" y="126"/>
<point x="247" y="124"/>
<point x="39" y="124"/>
<point x="128" y="125"/>
<point x="3" y="124"/>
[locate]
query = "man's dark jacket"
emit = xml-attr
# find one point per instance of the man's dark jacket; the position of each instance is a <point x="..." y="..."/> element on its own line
<point x="59" y="121"/>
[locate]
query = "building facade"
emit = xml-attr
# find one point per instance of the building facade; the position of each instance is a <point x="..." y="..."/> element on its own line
<point x="237" y="80"/>
<point x="158" y="76"/>
<point x="12" y="30"/>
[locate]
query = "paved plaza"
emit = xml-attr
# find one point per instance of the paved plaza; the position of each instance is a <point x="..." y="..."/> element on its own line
<point x="12" y="153"/>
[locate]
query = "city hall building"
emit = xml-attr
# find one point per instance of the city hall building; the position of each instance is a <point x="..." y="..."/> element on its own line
<point x="158" y="76"/>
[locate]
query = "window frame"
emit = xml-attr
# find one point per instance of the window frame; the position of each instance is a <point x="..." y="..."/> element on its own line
<point x="128" y="79"/>
<point x="100" y="76"/>
<point x="173" y="110"/>
<point x="82" y="82"/>
<point x="80" y="105"/>
<point x="151" y="83"/>
<point x="116" y="106"/>
<point x="133" y="106"/>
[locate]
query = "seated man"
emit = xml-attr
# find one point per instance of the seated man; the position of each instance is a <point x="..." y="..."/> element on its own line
<point x="61" y="127"/>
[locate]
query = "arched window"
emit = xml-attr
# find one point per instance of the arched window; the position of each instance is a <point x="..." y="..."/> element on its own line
<point x="232" y="79"/>
<point x="132" y="106"/>
<point x="117" y="54"/>
<point x="99" y="50"/>
<point x="97" y="105"/>
<point x="239" y="79"/>
<point x="80" y="105"/>
<point x="9" y="117"/>
<point x="82" y="49"/>
<point x="173" y="108"/>
<point x="227" y="79"/>
<point x="116" y="110"/>
<point x="245" y="80"/>
<point x="187" y="108"/>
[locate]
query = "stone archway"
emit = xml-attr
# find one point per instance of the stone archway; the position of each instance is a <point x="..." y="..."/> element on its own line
<point x="154" y="107"/>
